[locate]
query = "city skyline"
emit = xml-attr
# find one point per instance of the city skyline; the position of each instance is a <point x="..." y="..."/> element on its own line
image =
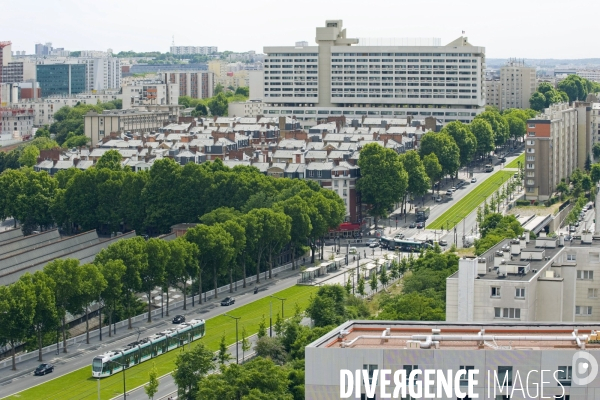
<point x="123" y="26"/>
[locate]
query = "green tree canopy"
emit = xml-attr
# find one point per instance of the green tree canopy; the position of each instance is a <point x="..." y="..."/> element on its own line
<point x="464" y="138"/>
<point x="444" y="147"/>
<point x="482" y="130"/>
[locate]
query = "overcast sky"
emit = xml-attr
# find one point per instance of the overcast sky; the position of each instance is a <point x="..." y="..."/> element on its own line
<point x="508" y="28"/>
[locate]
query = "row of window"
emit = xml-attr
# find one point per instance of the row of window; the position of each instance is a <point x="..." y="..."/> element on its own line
<point x="519" y="292"/>
<point x="405" y="54"/>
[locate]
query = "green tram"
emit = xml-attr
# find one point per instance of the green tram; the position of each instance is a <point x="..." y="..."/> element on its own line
<point x="144" y="349"/>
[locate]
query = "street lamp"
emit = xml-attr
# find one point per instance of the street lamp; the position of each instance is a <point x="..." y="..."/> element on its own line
<point x="124" y="368"/>
<point x="282" y="300"/>
<point x="237" y="358"/>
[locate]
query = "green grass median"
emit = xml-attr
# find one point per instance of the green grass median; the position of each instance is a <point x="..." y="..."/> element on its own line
<point x="467" y="204"/>
<point x="515" y="163"/>
<point x="80" y="385"/>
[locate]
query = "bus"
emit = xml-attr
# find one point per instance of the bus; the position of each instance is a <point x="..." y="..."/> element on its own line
<point x="410" y="245"/>
<point x="387" y="243"/>
<point x="488" y="168"/>
<point x="144" y="349"/>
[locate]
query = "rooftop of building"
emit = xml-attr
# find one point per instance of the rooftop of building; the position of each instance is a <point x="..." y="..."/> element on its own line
<point x="459" y="336"/>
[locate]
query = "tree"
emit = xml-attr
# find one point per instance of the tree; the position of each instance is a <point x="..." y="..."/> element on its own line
<point x="414" y="306"/>
<point x="418" y="181"/>
<point x="298" y="210"/>
<point x="29" y="156"/>
<point x="218" y="89"/>
<point x="218" y="105"/>
<point x="373" y="283"/>
<point x="383" y="179"/>
<point x="594" y="174"/>
<point x="111" y="160"/>
<point x="499" y="126"/>
<point x="327" y="307"/>
<point x="243" y="91"/>
<point x="67" y="289"/>
<point x="485" y="136"/>
<point x="223" y="354"/>
<point x="181" y="265"/>
<point x="113" y="271"/>
<point x="32" y="193"/>
<point x="445" y="148"/>
<point x="158" y="196"/>
<point x="191" y="368"/>
<point x="432" y="168"/>
<point x="596" y="150"/>
<point x="45" y="317"/>
<point x="93" y="284"/>
<point x="215" y="247"/>
<point x="383" y="276"/>
<point x="574" y="86"/>
<point x="464" y="138"/>
<point x="17" y="307"/>
<point x="154" y="274"/>
<point x="271" y="348"/>
<point x="246" y="345"/>
<point x="516" y="126"/>
<point x="537" y="101"/>
<point x="262" y="328"/>
<point x="151" y="387"/>
<point x="360" y="286"/>
<point x="132" y="252"/>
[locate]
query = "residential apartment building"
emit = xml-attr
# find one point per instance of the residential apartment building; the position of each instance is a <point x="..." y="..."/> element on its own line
<point x="13" y="71"/>
<point x="529" y="358"/>
<point x="543" y="279"/>
<point x="102" y="73"/>
<point x="595" y="123"/>
<point x="250" y="108"/>
<point x="97" y="126"/>
<point x="550" y="150"/>
<point x="43" y="49"/>
<point x="339" y="77"/>
<point x="150" y="93"/>
<point x="590" y="74"/>
<point x="492" y="92"/>
<point x="15" y="123"/>
<point x="196" y="84"/>
<point x="182" y="50"/>
<point x="61" y="79"/>
<point x="517" y="84"/>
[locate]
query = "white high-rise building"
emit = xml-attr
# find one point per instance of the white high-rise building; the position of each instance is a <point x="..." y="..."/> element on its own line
<point x="102" y="73"/>
<point x="339" y="77"/>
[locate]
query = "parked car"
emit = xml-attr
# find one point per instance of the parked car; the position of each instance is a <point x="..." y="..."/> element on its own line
<point x="503" y="159"/>
<point x="577" y="223"/>
<point x="473" y="180"/>
<point x="420" y="225"/>
<point x="179" y="319"/>
<point x="412" y="225"/>
<point x="453" y="188"/>
<point x="438" y="199"/>
<point x="449" y="192"/>
<point x="44" y="369"/>
<point x="443" y="242"/>
<point x="227" y="301"/>
<point x="572" y="228"/>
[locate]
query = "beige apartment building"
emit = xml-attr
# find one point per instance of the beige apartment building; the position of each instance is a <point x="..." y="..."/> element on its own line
<point x="517" y="84"/>
<point x="551" y="151"/>
<point x="150" y="93"/>
<point x="196" y="84"/>
<point x="492" y="92"/>
<point x="97" y="126"/>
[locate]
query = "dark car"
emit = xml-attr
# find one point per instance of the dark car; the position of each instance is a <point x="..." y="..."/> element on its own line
<point x="412" y="225"/>
<point x="44" y="369"/>
<point x="227" y="301"/>
<point x="179" y="319"/>
<point x="420" y="225"/>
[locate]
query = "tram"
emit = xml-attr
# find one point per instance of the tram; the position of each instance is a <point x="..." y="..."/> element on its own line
<point x="144" y="349"/>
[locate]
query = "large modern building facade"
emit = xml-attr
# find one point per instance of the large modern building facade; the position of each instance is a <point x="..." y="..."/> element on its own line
<point x="340" y="77"/>
<point x="98" y="126"/>
<point x="61" y="79"/>
<point x="517" y="84"/>
<point x="196" y="84"/>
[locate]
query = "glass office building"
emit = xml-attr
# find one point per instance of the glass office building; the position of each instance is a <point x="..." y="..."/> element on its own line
<point x="61" y="79"/>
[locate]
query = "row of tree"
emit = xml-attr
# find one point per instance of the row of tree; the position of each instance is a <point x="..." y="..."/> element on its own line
<point x="570" y="89"/>
<point x="388" y="178"/>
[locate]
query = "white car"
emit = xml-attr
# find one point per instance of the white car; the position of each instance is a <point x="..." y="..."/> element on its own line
<point x="438" y="199"/>
<point x="473" y="180"/>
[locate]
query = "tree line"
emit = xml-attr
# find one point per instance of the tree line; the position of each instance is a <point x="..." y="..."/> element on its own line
<point x="216" y="105"/>
<point x="388" y="178"/>
<point x="570" y="89"/>
<point x="245" y="220"/>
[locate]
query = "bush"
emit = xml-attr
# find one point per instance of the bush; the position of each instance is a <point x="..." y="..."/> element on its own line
<point x="523" y="203"/>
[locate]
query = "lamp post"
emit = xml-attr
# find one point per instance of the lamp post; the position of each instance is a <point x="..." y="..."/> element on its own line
<point x="237" y="358"/>
<point x="282" y="300"/>
<point x="124" y="368"/>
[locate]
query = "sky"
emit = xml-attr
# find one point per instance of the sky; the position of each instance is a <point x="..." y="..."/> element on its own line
<point x="508" y="28"/>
